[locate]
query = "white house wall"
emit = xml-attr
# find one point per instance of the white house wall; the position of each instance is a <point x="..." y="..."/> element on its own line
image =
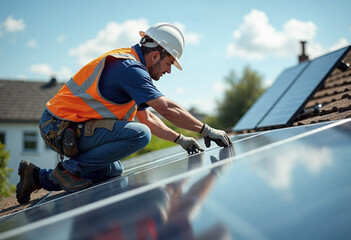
<point x="14" y="140"/>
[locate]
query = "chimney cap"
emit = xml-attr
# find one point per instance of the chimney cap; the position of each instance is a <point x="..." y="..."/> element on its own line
<point x="51" y="83"/>
<point x="303" y="56"/>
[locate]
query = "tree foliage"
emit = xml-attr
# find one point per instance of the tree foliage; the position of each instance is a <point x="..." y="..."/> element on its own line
<point x="5" y="188"/>
<point x="241" y="94"/>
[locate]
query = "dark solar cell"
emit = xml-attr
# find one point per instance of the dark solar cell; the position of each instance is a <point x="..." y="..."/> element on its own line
<point x="267" y="101"/>
<point x="303" y="89"/>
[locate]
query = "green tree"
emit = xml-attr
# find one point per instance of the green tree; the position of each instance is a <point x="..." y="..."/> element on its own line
<point x="5" y="188"/>
<point x="242" y="93"/>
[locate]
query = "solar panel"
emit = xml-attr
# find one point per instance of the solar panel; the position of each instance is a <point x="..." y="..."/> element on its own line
<point x="269" y="98"/>
<point x="295" y="189"/>
<point x="146" y="174"/>
<point x="310" y="80"/>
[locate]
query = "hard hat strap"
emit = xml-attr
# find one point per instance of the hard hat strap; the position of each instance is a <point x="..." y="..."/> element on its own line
<point x="148" y="42"/>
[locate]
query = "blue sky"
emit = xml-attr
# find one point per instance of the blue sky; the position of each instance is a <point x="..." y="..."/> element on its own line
<point x="40" y="38"/>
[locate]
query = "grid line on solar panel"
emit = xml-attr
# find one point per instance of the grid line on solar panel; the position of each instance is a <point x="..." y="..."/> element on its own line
<point x="303" y="89"/>
<point x="267" y="101"/>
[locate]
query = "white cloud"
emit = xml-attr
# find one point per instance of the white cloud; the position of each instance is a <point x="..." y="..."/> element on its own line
<point x="191" y="38"/>
<point x="65" y="73"/>
<point x="14" y="25"/>
<point x="116" y="35"/>
<point x="342" y="42"/>
<point x="113" y="36"/>
<point x="32" y="44"/>
<point x="256" y="37"/>
<point x="42" y="69"/>
<point x="45" y="70"/>
<point x="315" y="49"/>
<point x="61" y="38"/>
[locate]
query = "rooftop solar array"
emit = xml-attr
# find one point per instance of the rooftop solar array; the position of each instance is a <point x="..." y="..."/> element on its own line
<point x="259" y="188"/>
<point x="281" y="103"/>
<point x="303" y="89"/>
<point x="269" y="98"/>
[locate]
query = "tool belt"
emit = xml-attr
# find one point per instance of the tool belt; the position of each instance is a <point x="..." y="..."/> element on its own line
<point x="64" y="139"/>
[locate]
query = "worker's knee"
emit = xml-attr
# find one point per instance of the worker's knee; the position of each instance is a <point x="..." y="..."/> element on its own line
<point x="144" y="135"/>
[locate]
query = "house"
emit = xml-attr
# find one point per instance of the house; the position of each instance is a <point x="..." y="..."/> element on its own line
<point x="21" y="106"/>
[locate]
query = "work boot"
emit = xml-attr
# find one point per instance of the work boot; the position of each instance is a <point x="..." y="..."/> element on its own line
<point x="27" y="184"/>
<point x="67" y="180"/>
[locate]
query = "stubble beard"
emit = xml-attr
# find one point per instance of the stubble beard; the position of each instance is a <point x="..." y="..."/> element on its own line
<point x="155" y="71"/>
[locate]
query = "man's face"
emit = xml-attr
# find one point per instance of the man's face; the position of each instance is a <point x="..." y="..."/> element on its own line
<point x="161" y="67"/>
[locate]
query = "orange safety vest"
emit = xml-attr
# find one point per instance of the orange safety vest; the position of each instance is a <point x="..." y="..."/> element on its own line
<point x="80" y="100"/>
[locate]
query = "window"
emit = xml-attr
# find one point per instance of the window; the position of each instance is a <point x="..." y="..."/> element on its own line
<point x="2" y="137"/>
<point x="30" y="142"/>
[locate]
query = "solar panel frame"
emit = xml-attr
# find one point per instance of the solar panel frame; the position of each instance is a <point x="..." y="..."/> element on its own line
<point x="303" y="89"/>
<point x="270" y="97"/>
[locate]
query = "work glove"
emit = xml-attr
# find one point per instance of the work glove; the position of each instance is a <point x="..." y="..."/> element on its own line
<point x="218" y="136"/>
<point x="189" y="144"/>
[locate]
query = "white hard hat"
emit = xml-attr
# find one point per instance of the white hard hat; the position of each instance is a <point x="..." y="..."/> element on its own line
<point x="169" y="37"/>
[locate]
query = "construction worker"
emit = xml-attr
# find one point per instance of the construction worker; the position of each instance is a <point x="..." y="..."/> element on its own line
<point x="90" y="120"/>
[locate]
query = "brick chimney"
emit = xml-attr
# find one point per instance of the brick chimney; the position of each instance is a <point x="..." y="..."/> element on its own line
<point x="303" y="56"/>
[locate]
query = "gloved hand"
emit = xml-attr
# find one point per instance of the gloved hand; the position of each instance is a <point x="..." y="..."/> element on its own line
<point x="189" y="144"/>
<point x="218" y="136"/>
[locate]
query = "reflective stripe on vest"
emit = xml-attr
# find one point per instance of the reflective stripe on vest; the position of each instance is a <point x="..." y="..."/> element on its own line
<point x="82" y="102"/>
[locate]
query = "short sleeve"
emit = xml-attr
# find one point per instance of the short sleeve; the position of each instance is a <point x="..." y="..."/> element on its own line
<point x="124" y="80"/>
<point x="137" y="82"/>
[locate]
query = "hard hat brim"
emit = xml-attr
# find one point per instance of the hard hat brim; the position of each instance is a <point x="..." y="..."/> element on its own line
<point x="176" y="60"/>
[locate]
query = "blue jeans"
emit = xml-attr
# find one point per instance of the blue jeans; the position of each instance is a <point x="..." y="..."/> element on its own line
<point x="99" y="154"/>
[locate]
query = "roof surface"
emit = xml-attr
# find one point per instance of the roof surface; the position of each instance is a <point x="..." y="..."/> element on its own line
<point x="25" y="100"/>
<point x="334" y="96"/>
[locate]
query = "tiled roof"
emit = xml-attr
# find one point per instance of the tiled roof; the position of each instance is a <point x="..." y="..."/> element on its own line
<point x="334" y="98"/>
<point x="25" y="100"/>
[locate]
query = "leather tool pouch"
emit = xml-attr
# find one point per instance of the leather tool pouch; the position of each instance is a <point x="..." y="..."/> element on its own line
<point x="69" y="140"/>
<point x="64" y="139"/>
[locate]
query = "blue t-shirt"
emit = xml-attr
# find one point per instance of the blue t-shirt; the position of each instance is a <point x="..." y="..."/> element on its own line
<point x="124" y="79"/>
